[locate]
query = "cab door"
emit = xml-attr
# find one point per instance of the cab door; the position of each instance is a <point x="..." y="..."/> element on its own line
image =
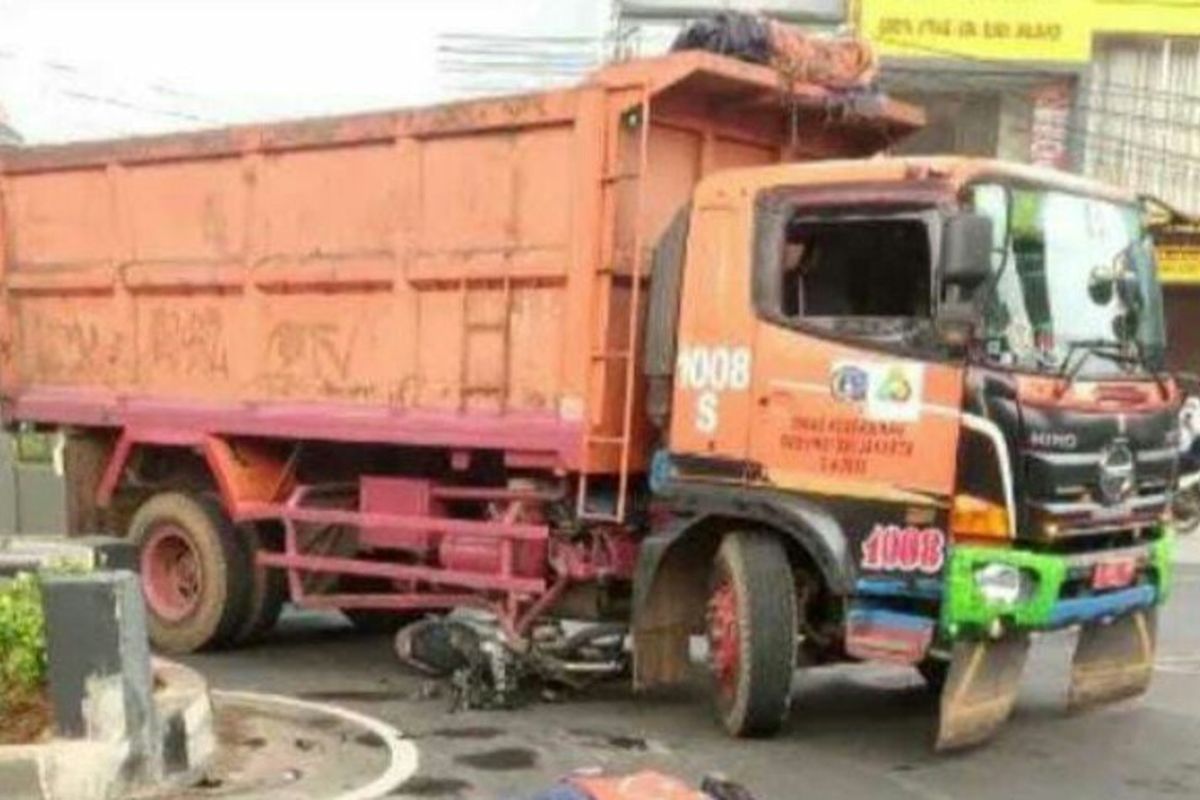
<point x="844" y="403"/>
<point x="835" y="419"/>
<point x="711" y="396"/>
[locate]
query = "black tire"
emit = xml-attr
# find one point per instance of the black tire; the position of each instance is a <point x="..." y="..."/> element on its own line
<point x="934" y="672"/>
<point x="220" y="595"/>
<point x="268" y="586"/>
<point x="752" y="582"/>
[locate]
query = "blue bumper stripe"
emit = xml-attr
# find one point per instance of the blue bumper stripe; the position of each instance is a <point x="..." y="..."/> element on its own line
<point x="1087" y="609"/>
<point x="925" y="588"/>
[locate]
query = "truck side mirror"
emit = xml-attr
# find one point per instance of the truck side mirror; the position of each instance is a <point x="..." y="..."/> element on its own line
<point x="966" y="251"/>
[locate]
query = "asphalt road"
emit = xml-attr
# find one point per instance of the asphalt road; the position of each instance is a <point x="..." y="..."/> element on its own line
<point x="855" y="732"/>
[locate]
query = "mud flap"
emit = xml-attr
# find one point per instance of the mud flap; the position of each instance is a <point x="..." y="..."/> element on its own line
<point x="1113" y="661"/>
<point x="981" y="689"/>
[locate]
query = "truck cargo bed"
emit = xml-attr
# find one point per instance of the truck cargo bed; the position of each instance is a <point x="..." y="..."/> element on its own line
<point x="453" y="276"/>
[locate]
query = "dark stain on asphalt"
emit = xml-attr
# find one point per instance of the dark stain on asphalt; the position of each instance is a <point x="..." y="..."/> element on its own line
<point x="329" y="724"/>
<point x="633" y="744"/>
<point x="369" y="739"/>
<point x="467" y="732"/>
<point x="432" y="786"/>
<point x="1162" y="785"/>
<point x="502" y="759"/>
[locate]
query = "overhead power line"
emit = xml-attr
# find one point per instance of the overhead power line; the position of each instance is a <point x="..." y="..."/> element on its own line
<point x="63" y="67"/>
<point x="116" y="102"/>
<point x="1095" y="135"/>
<point x="64" y="70"/>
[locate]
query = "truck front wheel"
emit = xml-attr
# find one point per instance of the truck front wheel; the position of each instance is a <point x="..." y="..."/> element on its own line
<point x="752" y="633"/>
<point x="196" y="572"/>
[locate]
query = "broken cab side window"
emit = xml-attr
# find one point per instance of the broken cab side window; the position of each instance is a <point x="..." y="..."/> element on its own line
<point x="855" y="274"/>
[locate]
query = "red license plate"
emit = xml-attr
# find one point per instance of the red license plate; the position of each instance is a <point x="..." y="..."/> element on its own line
<point x="1114" y="574"/>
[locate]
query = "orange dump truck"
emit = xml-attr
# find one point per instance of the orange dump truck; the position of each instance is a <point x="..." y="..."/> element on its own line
<point x="618" y="352"/>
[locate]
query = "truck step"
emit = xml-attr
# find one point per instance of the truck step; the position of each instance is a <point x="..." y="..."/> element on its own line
<point x="610" y="355"/>
<point x="608" y="440"/>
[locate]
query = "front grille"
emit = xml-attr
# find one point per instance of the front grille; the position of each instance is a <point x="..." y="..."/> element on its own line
<point x="1063" y="489"/>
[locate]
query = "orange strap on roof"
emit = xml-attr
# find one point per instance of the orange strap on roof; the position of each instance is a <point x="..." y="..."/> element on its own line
<point x="834" y="62"/>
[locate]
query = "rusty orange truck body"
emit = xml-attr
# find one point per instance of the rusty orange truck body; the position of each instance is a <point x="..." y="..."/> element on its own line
<point x="609" y="352"/>
<point x="456" y="276"/>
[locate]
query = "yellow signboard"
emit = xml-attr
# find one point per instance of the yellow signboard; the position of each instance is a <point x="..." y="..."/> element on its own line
<point x="1178" y="17"/>
<point x="1015" y="30"/>
<point x="1179" y="263"/>
<point x="1010" y="30"/>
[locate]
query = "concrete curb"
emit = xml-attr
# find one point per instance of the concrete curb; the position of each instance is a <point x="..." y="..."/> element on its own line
<point x="86" y="553"/>
<point x="404" y="758"/>
<point x="99" y="769"/>
<point x="185" y="718"/>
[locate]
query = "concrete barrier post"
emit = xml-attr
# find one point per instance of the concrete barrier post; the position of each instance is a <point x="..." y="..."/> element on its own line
<point x="101" y="684"/>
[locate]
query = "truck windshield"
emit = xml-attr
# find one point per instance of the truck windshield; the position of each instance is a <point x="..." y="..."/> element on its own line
<point x="1073" y="277"/>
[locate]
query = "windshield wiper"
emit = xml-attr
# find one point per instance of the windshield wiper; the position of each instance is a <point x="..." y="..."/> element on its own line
<point x="1164" y="389"/>
<point x="1096" y="347"/>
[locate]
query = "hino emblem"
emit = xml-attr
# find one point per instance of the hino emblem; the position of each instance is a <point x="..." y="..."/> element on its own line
<point x="1116" y="473"/>
<point x="1054" y="440"/>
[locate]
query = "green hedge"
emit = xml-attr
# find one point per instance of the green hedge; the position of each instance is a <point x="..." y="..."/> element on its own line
<point x="22" y="637"/>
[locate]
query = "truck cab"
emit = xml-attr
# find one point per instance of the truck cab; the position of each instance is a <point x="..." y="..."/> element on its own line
<point x="940" y="383"/>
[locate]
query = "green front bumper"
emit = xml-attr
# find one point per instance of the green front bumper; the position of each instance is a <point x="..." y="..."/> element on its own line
<point x="965" y="612"/>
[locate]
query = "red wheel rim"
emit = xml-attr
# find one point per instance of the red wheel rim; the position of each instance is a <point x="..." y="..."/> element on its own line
<point x="724" y="641"/>
<point x="171" y="573"/>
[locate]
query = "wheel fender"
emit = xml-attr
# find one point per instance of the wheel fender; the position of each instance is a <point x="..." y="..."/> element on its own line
<point x="817" y="532"/>
<point x="669" y="585"/>
<point x="810" y="526"/>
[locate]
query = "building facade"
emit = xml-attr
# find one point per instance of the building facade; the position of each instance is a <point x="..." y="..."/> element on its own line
<point x="647" y="27"/>
<point x="1108" y="88"/>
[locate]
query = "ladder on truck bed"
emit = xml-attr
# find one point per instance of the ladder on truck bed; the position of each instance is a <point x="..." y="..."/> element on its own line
<point x="600" y="356"/>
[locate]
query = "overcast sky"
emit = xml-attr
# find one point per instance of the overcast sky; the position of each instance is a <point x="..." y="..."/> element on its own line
<point x="74" y="69"/>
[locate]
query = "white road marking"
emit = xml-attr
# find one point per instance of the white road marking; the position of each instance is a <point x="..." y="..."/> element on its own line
<point x="1178" y="664"/>
<point x="404" y="758"/>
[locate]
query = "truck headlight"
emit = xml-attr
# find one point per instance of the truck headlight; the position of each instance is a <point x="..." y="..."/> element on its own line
<point x="1003" y="584"/>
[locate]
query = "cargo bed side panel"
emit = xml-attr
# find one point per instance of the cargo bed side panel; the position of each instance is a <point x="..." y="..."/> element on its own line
<point x="406" y="273"/>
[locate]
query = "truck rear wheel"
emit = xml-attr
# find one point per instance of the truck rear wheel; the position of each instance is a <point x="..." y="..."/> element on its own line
<point x="752" y="633"/>
<point x="195" y="572"/>
<point x="268" y="585"/>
